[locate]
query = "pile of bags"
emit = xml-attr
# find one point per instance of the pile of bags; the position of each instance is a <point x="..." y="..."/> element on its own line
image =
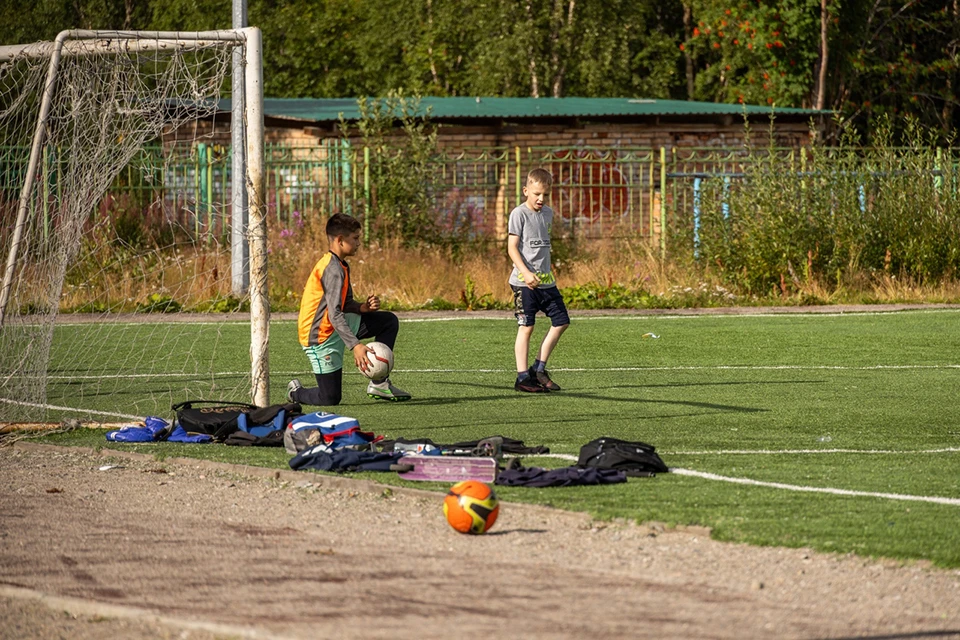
<point x="331" y="442"/>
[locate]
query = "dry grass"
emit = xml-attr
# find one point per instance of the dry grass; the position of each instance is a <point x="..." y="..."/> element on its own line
<point x="413" y="278"/>
<point x="433" y="277"/>
<point x="417" y="277"/>
<point x="188" y="275"/>
<point x="888" y="288"/>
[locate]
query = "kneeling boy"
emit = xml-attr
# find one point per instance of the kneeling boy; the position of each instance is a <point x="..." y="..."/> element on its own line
<point x="332" y="321"/>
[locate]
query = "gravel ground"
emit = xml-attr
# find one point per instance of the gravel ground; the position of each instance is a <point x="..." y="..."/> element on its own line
<point x="186" y="549"/>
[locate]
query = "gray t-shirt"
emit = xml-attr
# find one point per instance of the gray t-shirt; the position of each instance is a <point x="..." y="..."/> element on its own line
<point x="533" y="229"/>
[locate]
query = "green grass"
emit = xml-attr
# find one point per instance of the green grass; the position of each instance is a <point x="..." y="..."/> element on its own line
<point x="858" y="382"/>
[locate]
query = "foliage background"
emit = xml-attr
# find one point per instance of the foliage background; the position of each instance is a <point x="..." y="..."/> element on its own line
<point x="882" y="56"/>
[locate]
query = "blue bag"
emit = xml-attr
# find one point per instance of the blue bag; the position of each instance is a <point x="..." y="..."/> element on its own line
<point x="329" y="429"/>
<point x="246" y="422"/>
<point x="155" y="429"/>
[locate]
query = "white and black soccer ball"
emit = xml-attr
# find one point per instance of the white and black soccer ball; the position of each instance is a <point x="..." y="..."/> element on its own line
<point x="381" y="361"/>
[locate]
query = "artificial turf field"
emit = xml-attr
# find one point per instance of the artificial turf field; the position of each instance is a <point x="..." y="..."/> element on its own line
<point x="848" y="424"/>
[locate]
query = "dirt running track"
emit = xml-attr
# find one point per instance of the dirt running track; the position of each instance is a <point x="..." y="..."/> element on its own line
<point x="183" y="549"/>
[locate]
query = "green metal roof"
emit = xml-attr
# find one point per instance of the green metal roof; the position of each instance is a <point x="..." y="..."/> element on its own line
<point x="329" y="110"/>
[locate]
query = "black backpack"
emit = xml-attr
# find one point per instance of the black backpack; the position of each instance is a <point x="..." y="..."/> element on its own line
<point x="219" y="420"/>
<point x="636" y="458"/>
<point x="226" y="417"/>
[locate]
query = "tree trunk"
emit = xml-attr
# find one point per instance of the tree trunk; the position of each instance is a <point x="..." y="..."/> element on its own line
<point x="950" y="101"/>
<point x="824" y="56"/>
<point x="565" y="43"/>
<point x="433" y="64"/>
<point x="688" y="58"/>
<point x="532" y="53"/>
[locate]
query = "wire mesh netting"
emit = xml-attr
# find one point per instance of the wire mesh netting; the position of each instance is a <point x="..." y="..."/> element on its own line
<point x="107" y="98"/>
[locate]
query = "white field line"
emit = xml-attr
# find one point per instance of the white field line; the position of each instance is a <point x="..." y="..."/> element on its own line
<point x="687" y="316"/>
<point x="721" y="367"/>
<point x="832" y="491"/>
<point x="794" y="487"/>
<point x="804" y="451"/>
<point x="718" y="367"/>
<point x="155" y="323"/>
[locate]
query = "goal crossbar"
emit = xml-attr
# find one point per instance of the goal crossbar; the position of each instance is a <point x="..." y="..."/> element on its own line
<point x="86" y="42"/>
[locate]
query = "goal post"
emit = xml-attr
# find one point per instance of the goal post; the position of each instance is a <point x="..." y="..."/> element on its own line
<point x="257" y="225"/>
<point x="85" y="105"/>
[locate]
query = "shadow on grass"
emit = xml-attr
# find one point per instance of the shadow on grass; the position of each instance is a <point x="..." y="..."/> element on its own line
<point x="572" y="394"/>
<point x="713" y="384"/>
<point x="497" y="424"/>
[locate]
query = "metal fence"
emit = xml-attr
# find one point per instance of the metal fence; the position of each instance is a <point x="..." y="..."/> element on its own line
<point x="597" y="192"/>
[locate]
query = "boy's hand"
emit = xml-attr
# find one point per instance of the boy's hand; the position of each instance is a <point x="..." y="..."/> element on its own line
<point x="531" y="279"/>
<point x="372" y="304"/>
<point x="360" y="356"/>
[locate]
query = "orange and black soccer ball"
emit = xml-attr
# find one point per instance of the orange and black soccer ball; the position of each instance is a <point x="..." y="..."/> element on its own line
<point x="471" y="507"/>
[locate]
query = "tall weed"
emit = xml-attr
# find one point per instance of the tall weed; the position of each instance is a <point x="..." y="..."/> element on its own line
<point x="403" y="172"/>
<point x="832" y="216"/>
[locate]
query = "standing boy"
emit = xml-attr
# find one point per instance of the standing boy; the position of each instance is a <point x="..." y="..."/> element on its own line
<point x="332" y="321"/>
<point x="533" y="284"/>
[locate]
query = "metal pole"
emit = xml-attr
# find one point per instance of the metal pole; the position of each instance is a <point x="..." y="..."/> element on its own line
<point x="696" y="218"/>
<point x="367" y="208"/>
<point x="239" y="249"/>
<point x="663" y="204"/>
<point x="520" y="185"/>
<point x="257" y="231"/>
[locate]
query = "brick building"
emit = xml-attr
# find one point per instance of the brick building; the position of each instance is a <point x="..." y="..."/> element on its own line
<point x="611" y="157"/>
<point x="539" y="122"/>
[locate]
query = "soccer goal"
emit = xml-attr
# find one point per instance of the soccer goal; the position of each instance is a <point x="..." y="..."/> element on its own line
<point x="100" y="294"/>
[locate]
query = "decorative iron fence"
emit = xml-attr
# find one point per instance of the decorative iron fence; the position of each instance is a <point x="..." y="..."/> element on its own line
<point x="597" y="192"/>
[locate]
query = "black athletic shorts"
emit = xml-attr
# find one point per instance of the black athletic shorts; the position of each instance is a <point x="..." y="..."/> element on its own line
<point x="527" y="301"/>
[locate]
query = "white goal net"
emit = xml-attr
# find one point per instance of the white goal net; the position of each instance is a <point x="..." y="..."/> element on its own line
<point x="100" y="291"/>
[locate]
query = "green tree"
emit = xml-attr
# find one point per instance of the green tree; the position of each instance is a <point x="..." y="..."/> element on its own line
<point x="24" y="22"/>
<point x="543" y="48"/>
<point x="864" y="58"/>
<point x="899" y="59"/>
<point x="755" y="52"/>
<point x="403" y="170"/>
<point x="190" y="15"/>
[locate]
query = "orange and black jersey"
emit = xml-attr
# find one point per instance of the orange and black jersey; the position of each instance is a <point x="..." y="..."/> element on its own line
<point x="326" y="297"/>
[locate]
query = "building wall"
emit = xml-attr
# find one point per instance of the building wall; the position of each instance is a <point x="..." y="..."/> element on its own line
<point x="604" y="135"/>
<point x="666" y="135"/>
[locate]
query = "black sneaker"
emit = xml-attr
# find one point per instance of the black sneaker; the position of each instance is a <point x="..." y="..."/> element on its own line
<point x="543" y="379"/>
<point x="528" y="385"/>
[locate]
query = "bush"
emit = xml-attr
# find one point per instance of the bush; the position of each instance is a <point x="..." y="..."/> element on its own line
<point x="830" y="212"/>
<point x="402" y="168"/>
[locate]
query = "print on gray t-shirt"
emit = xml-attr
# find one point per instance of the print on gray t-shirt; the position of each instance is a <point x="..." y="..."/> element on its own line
<point x="533" y="229"/>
